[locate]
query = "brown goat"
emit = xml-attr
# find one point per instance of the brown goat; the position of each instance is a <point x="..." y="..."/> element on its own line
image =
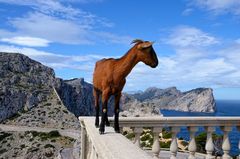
<point x="110" y="76"/>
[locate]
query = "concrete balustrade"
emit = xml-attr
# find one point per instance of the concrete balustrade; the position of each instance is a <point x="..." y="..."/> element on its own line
<point x="192" y="147"/>
<point x="109" y="145"/>
<point x="174" y="144"/>
<point x="137" y="131"/>
<point x="226" y="143"/>
<point x="156" y="143"/>
<point x="209" y="143"/>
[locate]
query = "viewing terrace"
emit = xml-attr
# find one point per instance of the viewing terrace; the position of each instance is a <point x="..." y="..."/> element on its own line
<point x="112" y="145"/>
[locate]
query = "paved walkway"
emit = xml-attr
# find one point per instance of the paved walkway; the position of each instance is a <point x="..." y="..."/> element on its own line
<point x="64" y="132"/>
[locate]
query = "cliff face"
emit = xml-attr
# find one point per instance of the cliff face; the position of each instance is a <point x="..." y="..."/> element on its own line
<point x="77" y="96"/>
<point x="23" y="83"/>
<point x="196" y="100"/>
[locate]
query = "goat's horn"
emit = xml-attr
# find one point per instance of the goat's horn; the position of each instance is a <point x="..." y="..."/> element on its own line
<point x="137" y="41"/>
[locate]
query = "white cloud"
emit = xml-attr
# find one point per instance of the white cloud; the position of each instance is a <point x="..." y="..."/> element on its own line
<point x="185" y="36"/>
<point x="189" y="67"/>
<point x="58" y="30"/>
<point x="232" y="54"/>
<point x="187" y="11"/>
<point x="50" y="7"/>
<point x="186" y="72"/>
<point x="106" y="37"/>
<point x="56" y="60"/>
<point x="60" y="23"/>
<point x="219" y="6"/>
<point x="51" y="28"/>
<point x="238" y="41"/>
<point x="83" y="1"/>
<point x="27" y="41"/>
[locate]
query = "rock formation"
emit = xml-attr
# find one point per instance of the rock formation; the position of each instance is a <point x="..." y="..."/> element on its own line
<point x="23" y="83"/>
<point x="76" y="95"/>
<point x="154" y="99"/>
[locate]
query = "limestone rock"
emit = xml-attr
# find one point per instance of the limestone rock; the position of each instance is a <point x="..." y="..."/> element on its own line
<point x="196" y="100"/>
<point x="77" y="96"/>
<point x="23" y="83"/>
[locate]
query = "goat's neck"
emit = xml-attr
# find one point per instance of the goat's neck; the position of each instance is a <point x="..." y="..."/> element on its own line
<point x="126" y="63"/>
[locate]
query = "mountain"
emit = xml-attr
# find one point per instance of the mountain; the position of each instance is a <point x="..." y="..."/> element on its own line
<point x="25" y="83"/>
<point x="76" y="95"/>
<point x="29" y="105"/>
<point x="153" y="99"/>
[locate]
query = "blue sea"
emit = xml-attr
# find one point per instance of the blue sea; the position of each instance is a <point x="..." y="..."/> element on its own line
<point x="224" y="108"/>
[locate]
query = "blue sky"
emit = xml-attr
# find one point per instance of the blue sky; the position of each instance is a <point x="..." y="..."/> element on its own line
<point x="197" y="41"/>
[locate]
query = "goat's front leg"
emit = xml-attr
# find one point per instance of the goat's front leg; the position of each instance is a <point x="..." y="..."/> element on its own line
<point x="105" y="97"/>
<point x="116" y="111"/>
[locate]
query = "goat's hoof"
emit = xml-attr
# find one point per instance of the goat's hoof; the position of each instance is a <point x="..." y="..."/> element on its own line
<point x="101" y="132"/>
<point x="117" y="131"/>
<point x="97" y="125"/>
<point x="107" y="123"/>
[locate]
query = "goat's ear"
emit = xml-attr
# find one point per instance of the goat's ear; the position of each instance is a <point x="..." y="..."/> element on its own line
<point x="145" y="45"/>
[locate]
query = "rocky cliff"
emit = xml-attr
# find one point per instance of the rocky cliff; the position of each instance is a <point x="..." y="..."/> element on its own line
<point x="23" y="83"/>
<point x="76" y="95"/>
<point x="154" y="99"/>
<point x="28" y="99"/>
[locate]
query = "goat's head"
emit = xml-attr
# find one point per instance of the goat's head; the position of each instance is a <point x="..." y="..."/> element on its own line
<point x="146" y="53"/>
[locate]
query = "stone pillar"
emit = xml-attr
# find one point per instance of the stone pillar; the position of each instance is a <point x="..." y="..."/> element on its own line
<point x="156" y="143"/>
<point x="192" y="147"/>
<point x="209" y="143"/>
<point x="83" y="140"/>
<point x="137" y="131"/>
<point x="226" y="146"/>
<point x="174" y="144"/>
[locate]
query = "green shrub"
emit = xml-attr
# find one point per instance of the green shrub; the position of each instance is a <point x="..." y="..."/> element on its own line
<point x="4" y="135"/>
<point x="43" y="135"/>
<point x="165" y="144"/>
<point x="32" y="149"/>
<point x="48" y="104"/>
<point x="3" y="151"/>
<point x="166" y="134"/>
<point x="49" y="145"/>
<point x="130" y="135"/>
<point x="54" y="133"/>
<point x="22" y="146"/>
<point x="66" y="112"/>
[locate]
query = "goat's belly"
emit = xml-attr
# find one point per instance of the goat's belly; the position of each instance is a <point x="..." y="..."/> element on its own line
<point x="116" y="89"/>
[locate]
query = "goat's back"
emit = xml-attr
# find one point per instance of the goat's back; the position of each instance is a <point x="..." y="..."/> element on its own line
<point x="102" y="72"/>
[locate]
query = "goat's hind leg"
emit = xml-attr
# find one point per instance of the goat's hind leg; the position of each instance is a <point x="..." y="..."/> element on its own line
<point x="116" y="111"/>
<point x="106" y="120"/>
